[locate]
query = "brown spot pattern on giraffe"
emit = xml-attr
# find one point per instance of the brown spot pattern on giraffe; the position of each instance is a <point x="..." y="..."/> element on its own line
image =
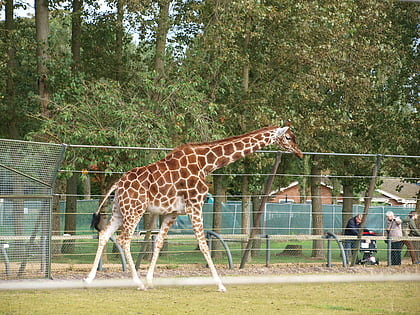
<point x="176" y="184"/>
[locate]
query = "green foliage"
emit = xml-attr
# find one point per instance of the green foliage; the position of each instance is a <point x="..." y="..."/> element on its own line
<point x="24" y="77"/>
<point x="97" y="113"/>
<point x="344" y="72"/>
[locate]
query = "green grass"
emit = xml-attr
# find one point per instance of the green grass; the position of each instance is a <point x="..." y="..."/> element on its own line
<point x="310" y="298"/>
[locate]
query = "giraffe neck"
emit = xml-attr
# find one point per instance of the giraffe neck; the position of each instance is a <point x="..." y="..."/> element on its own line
<point x="216" y="154"/>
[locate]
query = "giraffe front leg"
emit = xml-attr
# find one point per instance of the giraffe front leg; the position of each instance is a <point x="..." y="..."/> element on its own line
<point x="197" y="223"/>
<point x="165" y="226"/>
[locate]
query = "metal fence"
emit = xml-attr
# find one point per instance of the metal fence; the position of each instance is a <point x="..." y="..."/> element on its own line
<point x="280" y="220"/>
<point x="27" y="174"/>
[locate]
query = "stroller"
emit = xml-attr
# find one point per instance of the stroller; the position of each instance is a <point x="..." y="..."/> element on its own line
<point x="368" y="250"/>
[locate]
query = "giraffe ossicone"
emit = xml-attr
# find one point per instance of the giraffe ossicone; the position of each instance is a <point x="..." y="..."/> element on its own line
<point x="176" y="185"/>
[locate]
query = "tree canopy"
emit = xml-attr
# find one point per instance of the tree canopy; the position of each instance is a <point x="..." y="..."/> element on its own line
<point x="346" y="73"/>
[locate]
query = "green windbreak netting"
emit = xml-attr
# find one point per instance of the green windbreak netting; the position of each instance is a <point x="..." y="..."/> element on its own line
<point x="277" y="219"/>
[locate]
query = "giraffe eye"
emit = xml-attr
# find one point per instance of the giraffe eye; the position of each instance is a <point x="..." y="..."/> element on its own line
<point x="288" y="138"/>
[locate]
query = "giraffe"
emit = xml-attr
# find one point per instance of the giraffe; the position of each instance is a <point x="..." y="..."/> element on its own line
<point x="176" y="186"/>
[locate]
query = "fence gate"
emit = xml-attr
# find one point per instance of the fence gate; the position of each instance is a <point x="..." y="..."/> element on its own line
<point x="27" y="174"/>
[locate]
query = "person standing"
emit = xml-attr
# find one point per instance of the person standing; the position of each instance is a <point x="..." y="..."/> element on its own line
<point x="393" y="230"/>
<point x="409" y="228"/>
<point x="352" y="228"/>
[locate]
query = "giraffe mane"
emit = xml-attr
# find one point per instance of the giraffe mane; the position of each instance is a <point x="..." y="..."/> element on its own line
<point x="216" y="142"/>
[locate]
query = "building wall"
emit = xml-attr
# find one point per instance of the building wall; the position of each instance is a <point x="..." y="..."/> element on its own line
<point x="292" y="194"/>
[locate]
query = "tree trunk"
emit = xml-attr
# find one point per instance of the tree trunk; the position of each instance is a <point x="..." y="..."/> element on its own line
<point x="304" y="188"/>
<point x="246" y="67"/>
<point x="257" y="213"/>
<point x="317" y="224"/>
<point x="146" y="247"/>
<point x="42" y="31"/>
<point x="76" y="33"/>
<point x="18" y="218"/>
<point x="60" y="188"/>
<point x="347" y="212"/>
<point x="86" y="187"/>
<point x="12" y="115"/>
<point x="246" y="194"/>
<point x="68" y="246"/>
<point x="119" y="32"/>
<point x="161" y="36"/>
<point x="217" y="214"/>
<point x="150" y="222"/>
<point x="246" y="206"/>
<point x="246" y="201"/>
<point x="256" y="244"/>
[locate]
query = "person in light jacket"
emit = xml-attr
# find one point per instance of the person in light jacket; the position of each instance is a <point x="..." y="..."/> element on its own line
<point x="393" y="230"/>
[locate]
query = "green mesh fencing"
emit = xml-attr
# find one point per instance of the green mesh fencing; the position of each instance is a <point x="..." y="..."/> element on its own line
<point x="27" y="175"/>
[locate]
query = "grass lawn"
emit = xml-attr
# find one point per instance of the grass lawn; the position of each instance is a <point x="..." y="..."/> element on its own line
<point x="308" y="298"/>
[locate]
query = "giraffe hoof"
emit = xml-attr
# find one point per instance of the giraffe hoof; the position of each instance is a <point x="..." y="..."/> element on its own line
<point x="87" y="280"/>
<point x="222" y="289"/>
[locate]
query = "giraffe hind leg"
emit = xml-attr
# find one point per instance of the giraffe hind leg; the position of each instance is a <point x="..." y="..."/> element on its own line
<point x="124" y="239"/>
<point x="104" y="236"/>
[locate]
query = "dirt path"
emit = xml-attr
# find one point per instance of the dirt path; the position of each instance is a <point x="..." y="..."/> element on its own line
<point x="195" y="270"/>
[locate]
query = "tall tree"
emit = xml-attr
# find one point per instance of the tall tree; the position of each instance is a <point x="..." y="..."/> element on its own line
<point x="70" y="222"/>
<point x="76" y="33"/>
<point x="162" y="29"/>
<point x="42" y="31"/>
<point x="316" y="207"/>
<point x="12" y="116"/>
<point x="119" y="34"/>
<point x="68" y="246"/>
<point x="219" y="191"/>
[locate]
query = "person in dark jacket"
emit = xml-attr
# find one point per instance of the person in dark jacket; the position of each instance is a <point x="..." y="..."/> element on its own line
<point x="352" y="228"/>
<point x="409" y="228"/>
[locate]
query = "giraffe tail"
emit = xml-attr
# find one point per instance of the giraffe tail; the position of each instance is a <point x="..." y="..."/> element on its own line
<point x="96" y="217"/>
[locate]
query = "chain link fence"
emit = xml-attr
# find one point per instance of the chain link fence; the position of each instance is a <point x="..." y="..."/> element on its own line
<point x="27" y="174"/>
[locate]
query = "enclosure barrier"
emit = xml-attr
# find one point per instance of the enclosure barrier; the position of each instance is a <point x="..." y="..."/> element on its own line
<point x="226" y="239"/>
<point x="27" y="174"/>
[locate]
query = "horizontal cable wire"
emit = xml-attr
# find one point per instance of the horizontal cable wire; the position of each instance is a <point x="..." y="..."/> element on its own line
<point x="258" y="151"/>
<point x="257" y="174"/>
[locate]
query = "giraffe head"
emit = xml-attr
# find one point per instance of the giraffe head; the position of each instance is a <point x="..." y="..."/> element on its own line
<point x="286" y="139"/>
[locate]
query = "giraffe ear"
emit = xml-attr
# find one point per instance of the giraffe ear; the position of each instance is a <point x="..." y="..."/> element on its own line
<point x="281" y="131"/>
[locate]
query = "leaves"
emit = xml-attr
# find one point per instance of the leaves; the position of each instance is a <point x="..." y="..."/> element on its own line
<point x="344" y="72"/>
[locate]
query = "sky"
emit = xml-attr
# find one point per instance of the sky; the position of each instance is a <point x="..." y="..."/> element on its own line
<point x="29" y="11"/>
